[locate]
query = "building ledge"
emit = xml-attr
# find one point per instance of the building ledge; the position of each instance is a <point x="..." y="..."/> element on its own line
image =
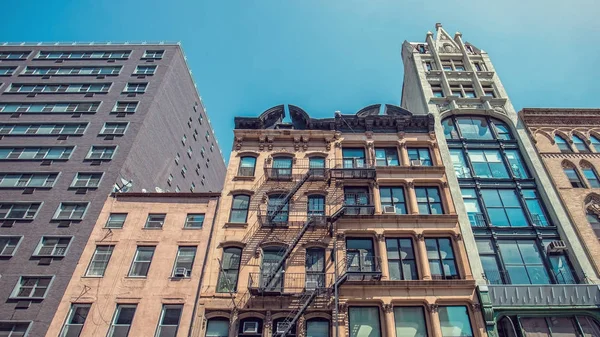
<point x="543" y="296"/>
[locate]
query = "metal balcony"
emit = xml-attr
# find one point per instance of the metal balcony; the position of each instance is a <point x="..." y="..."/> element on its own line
<point x="283" y="283"/>
<point x="352" y="168"/>
<point x="362" y="267"/>
<point x="298" y="168"/>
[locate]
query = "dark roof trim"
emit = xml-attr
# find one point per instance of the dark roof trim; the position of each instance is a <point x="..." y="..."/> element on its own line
<point x="165" y="195"/>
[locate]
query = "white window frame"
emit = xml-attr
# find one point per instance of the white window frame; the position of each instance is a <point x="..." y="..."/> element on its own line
<point x="108" y="220"/>
<point x="41" y="244"/>
<point x="162" y="316"/>
<point x="59" y="210"/>
<point x="92" y="260"/>
<point x="128" y="87"/>
<point x="113" y="323"/>
<point x="187" y="222"/>
<point x="146" y="71"/>
<point x="134" y="261"/>
<point x="7" y="71"/>
<point x="103" y="131"/>
<point x="127" y="104"/>
<point x="2" y="250"/>
<point x="87" y="185"/>
<point x="72" y="310"/>
<point x="151" y="54"/>
<point x="32" y="175"/>
<point x="189" y="271"/>
<point x="15" y="292"/>
<point x="13" y="203"/>
<point x="93" y="147"/>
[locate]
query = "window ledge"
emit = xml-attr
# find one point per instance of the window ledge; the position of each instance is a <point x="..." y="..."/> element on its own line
<point x="152" y="228"/>
<point x="92" y="277"/>
<point x="243" y="178"/>
<point x="143" y="278"/>
<point x="26" y="298"/>
<point x="192" y="228"/>
<point x="48" y="256"/>
<point x="235" y="225"/>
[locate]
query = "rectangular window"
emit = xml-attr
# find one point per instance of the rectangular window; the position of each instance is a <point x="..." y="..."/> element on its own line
<point x="360" y="255"/>
<point x="59" y="88"/>
<point x="453" y="65"/>
<point x="116" y="220"/>
<point x="535" y="208"/>
<point x="70" y="211"/>
<point x="410" y="322"/>
<point x="194" y="221"/>
<point x="488" y="257"/>
<point x="145" y="70"/>
<point x="364" y="322"/>
<point x="488" y="164"/>
<point x="86" y="180"/>
<point x="169" y="320"/>
<point x="21" y="129"/>
<point x="114" y="128"/>
<point x="504" y="208"/>
<point x="99" y="261"/>
<point x="463" y="90"/>
<point x="125" y="107"/>
<point x="454" y="321"/>
<point x="429" y="66"/>
<point x="247" y="165"/>
<point x="33" y="287"/>
<point x="121" y="322"/>
<point x="101" y="152"/>
<point x="184" y="262"/>
<point x="353" y="157"/>
<point x="42" y="108"/>
<point x="476" y="217"/>
<point x="437" y="90"/>
<point x="429" y="200"/>
<point x="96" y="54"/>
<point x="135" y="87"/>
<point x="316" y="205"/>
<point x="8" y="245"/>
<point x="14" y="55"/>
<point x="141" y="261"/>
<point x="153" y="54"/>
<point x="419" y="157"/>
<point x="460" y="164"/>
<point x="230" y="267"/>
<point x="52" y="246"/>
<point x="386" y="157"/>
<point x="488" y="90"/>
<point x="441" y="259"/>
<point x="239" y="209"/>
<point x="36" y="153"/>
<point x="392" y="200"/>
<point x="72" y="71"/>
<point x="517" y="166"/>
<point x="75" y="320"/>
<point x="7" y="71"/>
<point x="14" y="329"/>
<point x="155" y="220"/>
<point x="315" y="268"/>
<point x="19" y="210"/>
<point x="523" y="262"/>
<point x="401" y="259"/>
<point x="24" y="180"/>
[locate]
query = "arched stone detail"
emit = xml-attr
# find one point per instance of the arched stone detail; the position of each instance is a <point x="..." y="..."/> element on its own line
<point x="217" y="314"/>
<point x="544" y="134"/>
<point x="247" y="154"/>
<point x="586" y="164"/>
<point x="564" y="135"/>
<point x="241" y="191"/>
<point x="567" y="164"/>
<point x="282" y="154"/>
<point x="273" y="243"/>
<point x="252" y="315"/>
<point x="581" y="135"/>
<point x="592" y="203"/>
<point x="227" y="244"/>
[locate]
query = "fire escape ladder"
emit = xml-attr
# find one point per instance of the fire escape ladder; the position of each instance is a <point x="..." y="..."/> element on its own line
<point x="271" y="215"/>
<point x="305" y="300"/>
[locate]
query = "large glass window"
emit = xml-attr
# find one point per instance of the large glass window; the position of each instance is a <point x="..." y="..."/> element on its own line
<point x="460" y="164"/>
<point x="70" y="211"/>
<point x="364" y="322"/>
<point x="353" y="157"/>
<point x="474" y="128"/>
<point x="401" y="259"/>
<point x="230" y="267"/>
<point x="282" y="167"/>
<point x="536" y="211"/>
<point x="317" y="166"/>
<point x="247" y="165"/>
<point x="360" y="255"/>
<point x="271" y="276"/>
<point x="75" y="320"/>
<point x="471" y="200"/>
<point x="441" y="258"/>
<point x="275" y="201"/>
<point x="595" y="142"/>
<point x="503" y="208"/>
<point x="316" y="205"/>
<point x="217" y="327"/>
<point x="488" y="164"/>
<point x="317" y="327"/>
<point x="357" y="200"/>
<point x="30" y="287"/>
<point x="454" y="321"/>
<point x="562" y="144"/>
<point x="487" y="255"/>
<point x="392" y="200"/>
<point x="580" y="145"/>
<point x="239" y="208"/>
<point x="315" y="268"/>
<point x="516" y="164"/>
<point x="523" y="262"/>
<point x="573" y="176"/>
<point x="419" y="157"/>
<point x="169" y="320"/>
<point x="386" y="157"/>
<point x="502" y="130"/>
<point x="429" y="200"/>
<point x="122" y="320"/>
<point x="590" y="174"/>
<point x="410" y="322"/>
<point x="449" y="129"/>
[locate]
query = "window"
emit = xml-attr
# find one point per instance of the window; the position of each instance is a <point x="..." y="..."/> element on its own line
<point x="125" y="107"/>
<point x="315" y="268"/>
<point x="59" y="88"/>
<point x="517" y="166"/>
<point x="410" y="322"/>
<point x="121" y="322"/>
<point x="316" y="205"/>
<point x="401" y="259"/>
<point x="364" y="322"/>
<point x="474" y="128"/>
<point x="99" y="261"/>
<point x="18" y="210"/>
<point x="360" y="255"/>
<point x="479" y="66"/>
<point x="7" y="71"/>
<point x="357" y="201"/>
<point x="192" y="187"/>
<point x="114" y="128"/>
<point x="594" y="221"/>
<point x="116" y="220"/>
<point x="429" y="200"/>
<point x="488" y="257"/>
<point x="135" y="88"/>
<point x="474" y="213"/>
<point x="153" y="54"/>
<point x="562" y="144"/>
<point x="170" y="179"/>
<point x="239" y="208"/>
<point x="463" y="90"/>
<point x="280" y="325"/>
<point x="184" y="262"/>
<point x="96" y="54"/>
<point x="70" y="211"/>
<point x="535" y="208"/>
<point x="207" y="136"/>
<point x="177" y="158"/>
<point x="190" y="151"/>
<point x="419" y="157"/>
<point x="488" y="164"/>
<point x="36" y="153"/>
<point x="273" y="204"/>
<point x="392" y="200"/>
<point x="317" y="167"/>
<point x="573" y="176"/>
<point x="52" y="246"/>
<point x="230" y="267"/>
<point x="145" y="70"/>
<point x="282" y="167"/>
<point x="24" y="180"/>
<point x="560" y="266"/>
<point x="454" y="321"/>
<point x="86" y="180"/>
<point x="523" y="262"/>
<point x="589" y="173"/>
<point x="169" y="320"/>
<point x="450" y="131"/>
<point x="155" y="220"/>
<point x="72" y="71"/>
<point x="504" y="208"/>
<point x="101" y="152"/>
<point x="453" y="65"/>
<point x="250" y="327"/>
<point x="488" y="90"/>
<point x="441" y="258"/>
<point x="594" y="140"/>
<point x="217" y="327"/>
<point x="8" y="245"/>
<point x="247" y="165"/>
<point x="22" y="129"/>
<point x="194" y="221"/>
<point x="580" y="145"/>
<point x="177" y="189"/>
<point x="461" y="168"/>
<point x="386" y="157"/>
<point x="75" y="320"/>
<point x="429" y="65"/>
<point x="41" y="108"/>
<point x="141" y="261"/>
<point x="183" y="170"/>
<point x="32" y="287"/>
<point x="553" y="326"/>
<point x="437" y="90"/>
<point x="183" y="139"/>
<point x="14" y="55"/>
<point x="353" y="157"/>
<point x="317" y="327"/>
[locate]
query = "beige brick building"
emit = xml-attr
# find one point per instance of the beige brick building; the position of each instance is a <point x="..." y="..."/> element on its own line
<point x="568" y="143"/>
<point x="347" y="217"/>
<point x="139" y="273"/>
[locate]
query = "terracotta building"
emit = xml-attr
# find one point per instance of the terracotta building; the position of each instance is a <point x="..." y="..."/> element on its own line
<point x="139" y="274"/>
<point x="568" y="143"/>
<point x="339" y="226"/>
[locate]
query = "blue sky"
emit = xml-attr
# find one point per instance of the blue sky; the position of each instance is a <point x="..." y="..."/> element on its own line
<point x="327" y="55"/>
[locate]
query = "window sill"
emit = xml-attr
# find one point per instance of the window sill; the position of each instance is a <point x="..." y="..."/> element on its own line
<point x="111" y="134"/>
<point x="48" y="256"/>
<point x="173" y="278"/>
<point x="136" y="277"/>
<point x="152" y="228"/>
<point x="92" y="277"/>
<point x="243" y="178"/>
<point x="192" y="228"/>
<point x="235" y="225"/>
<point x="66" y="75"/>
<point x="27" y="298"/>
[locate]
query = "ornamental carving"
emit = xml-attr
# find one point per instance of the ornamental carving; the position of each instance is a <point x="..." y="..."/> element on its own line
<point x="388" y="307"/>
<point x="238" y="142"/>
<point x="380" y="237"/>
<point x="432" y="308"/>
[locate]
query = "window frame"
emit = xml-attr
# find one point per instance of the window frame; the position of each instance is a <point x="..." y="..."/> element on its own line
<point x="40" y="245"/>
<point x="93" y="260"/>
<point x="176" y="262"/>
<point x="3" y="248"/>
<point x="118" y="309"/>
<point x="130" y="90"/>
<point x="246" y="210"/>
<point x="147" y="56"/>
<point x="48" y="176"/>
<point x="14" y="294"/>
<point x="429" y="204"/>
<point x="148" y="220"/>
<point x="241" y="168"/>
<point x="70" y="315"/>
<point x="161" y="324"/>
<point x="137" y="69"/>
<point x="104" y="129"/>
<point x="108" y="220"/>
<point x="71" y="218"/>
<point x="419" y="151"/>
<point x="28" y="210"/>
<point x="187" y="221"/>
<point x="468" y="318"/>
<point x="440" y="260"/>
<point x="223" y="271"/>
<point x="403" y="203"/>
<point x="134" y="261"/>
<point x="126" y="108"/>
<point x="401" y="260"/>
<point x="365" y="306"/>
<point x="389" y="155"/>
<point x="91" y="178"/>
<point x="104" y="150"/>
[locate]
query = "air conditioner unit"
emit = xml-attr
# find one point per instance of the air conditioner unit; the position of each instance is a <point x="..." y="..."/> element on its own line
<point x="180" y="272"/>
<point x="416" y="163"/>
<point x="282" y="327"/>
<point x="389" y="209"/>
<point x="557" y="246"/>
<point x="250" y="327"/>
<point x="312" y="285"/>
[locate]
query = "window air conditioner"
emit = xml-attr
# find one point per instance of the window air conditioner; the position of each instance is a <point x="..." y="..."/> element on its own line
<point x="250" y="327"/>
<point x="557" y="246"/>
<point x="312" y="285"/>
<point x="389" y="209"/>
<point x="181" y="272"/>
<point x="416" y="163"/>
<point x="282" y="326"/>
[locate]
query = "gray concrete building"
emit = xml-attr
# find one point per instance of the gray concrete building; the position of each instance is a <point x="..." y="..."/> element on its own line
<point x="77" y="122"/>
<point x="533" y="275"/>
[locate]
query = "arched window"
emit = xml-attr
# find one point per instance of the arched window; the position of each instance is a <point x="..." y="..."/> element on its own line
<point x="251" y="326"/>
<point x="590" y="174"/>
<point x="449" y="129"/>
<point x="230" y="268"/>
<point x="239" y="208"/>
<point x="580" y="145"/>
<point x="573" y="175"/>
<point x="474" y="127"/>
<point x="317" y="327"/>
<point x="594" y="221"/>
<point x="502" y="130"/>
<point x="562" y="144"/>
<point x="595" y="142"/>
<point x="217" y="327"/>
<point x="247" y="166"/>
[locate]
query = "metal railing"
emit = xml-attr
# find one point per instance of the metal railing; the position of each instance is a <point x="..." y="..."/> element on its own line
<point x="246" y="172"/>
<point x="265" y="283"/>
<point x="359" y="264"/>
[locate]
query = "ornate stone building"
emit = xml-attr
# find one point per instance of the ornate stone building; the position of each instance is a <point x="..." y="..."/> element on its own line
<point x="340" y="226"/>
<point x="532" y="271"/>
<point x="568" y="143"/>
